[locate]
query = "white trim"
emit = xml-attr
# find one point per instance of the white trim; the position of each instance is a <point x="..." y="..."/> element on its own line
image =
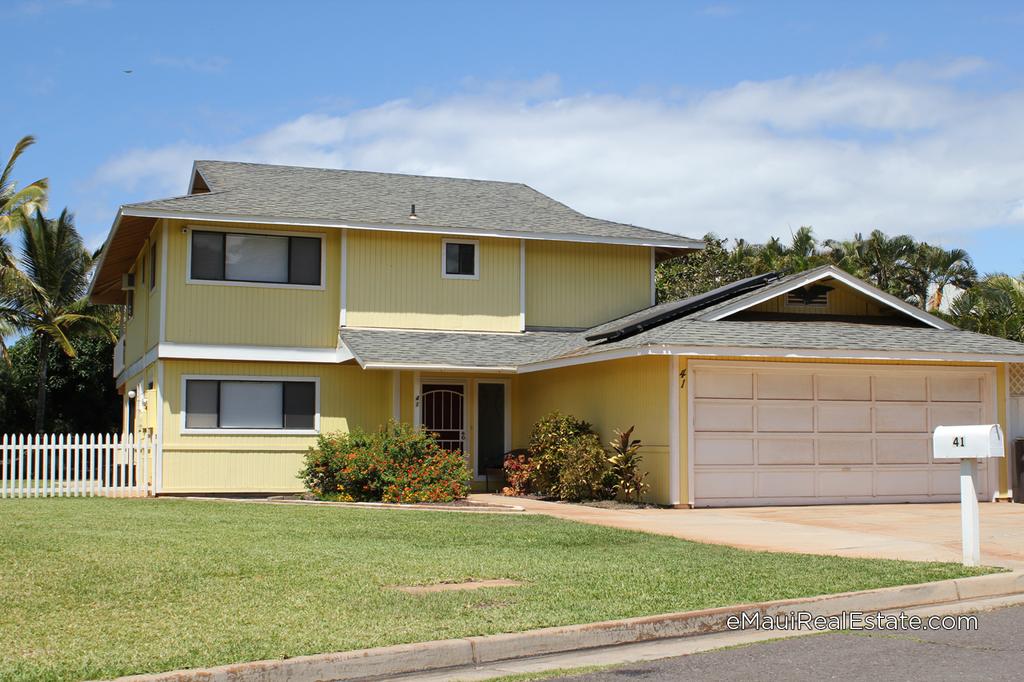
<point x="654" y="286"/>
<point x="163" y="279"/>
<point x="691" y="471"/>
<point x="417" y="387"/>
<point x="690" y="244"/>
<point x="396" y="395"/>
<point x="439" y="368"/>
<point x="789" y="367"/>
<point x="142" y="363"/>
<point x="256" y="233"/>
<point x="199" y="351"/>
<point x="746" y="352"/>
<point x="183" y="430"/>
<point x="507" y="443"/>
<point x="522" y="285"/>
<point x="343" y="285"/>
<point x="673" y="430"/>
<point x="771" y="292"/>
<point x="1007" y="450"/>
<point x="158" y="453"/>
<point x="475" y="243"/>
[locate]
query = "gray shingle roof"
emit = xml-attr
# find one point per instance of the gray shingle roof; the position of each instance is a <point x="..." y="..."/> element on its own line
<point x="508" y="351"/>
<point x="455" y="349"/>
<point x="316" y="194"/>
<point x="813" y="335"/>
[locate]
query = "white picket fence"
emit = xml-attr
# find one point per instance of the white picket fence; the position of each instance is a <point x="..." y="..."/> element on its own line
<point x="75" y="465"/>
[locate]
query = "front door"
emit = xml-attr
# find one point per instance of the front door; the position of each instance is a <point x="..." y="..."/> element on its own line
<point x="491" y="406"/>
<point x="442" y="412"/>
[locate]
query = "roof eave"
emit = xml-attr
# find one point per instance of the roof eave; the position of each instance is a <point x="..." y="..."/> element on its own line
<point x="141" y="211"/>
<point x="811" y="354"/>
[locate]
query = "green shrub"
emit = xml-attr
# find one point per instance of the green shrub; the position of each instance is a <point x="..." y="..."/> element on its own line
<point x="397" y="463"/>
<point x="628" y="482"/>
<point x="569" y="462"/>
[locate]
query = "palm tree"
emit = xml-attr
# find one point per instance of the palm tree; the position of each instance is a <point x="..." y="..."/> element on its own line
<point x="14" y="202"/>
<point x="885" y="261"/>
<point x="48" y="295"/>
<point x="950" y="267"/>
<point x="995" y="305"/>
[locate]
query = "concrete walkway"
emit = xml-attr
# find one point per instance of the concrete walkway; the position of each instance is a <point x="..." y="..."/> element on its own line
<point x="915" y="532"/>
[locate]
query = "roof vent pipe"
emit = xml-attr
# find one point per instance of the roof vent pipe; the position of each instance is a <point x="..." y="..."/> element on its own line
<point x="412" y="213"/>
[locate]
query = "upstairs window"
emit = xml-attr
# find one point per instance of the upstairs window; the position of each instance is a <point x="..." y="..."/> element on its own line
<point x="256" y="258"/>
<point x="152" y="267"/>
<point x="460" y="259"/>
<point x="250" y="404"/>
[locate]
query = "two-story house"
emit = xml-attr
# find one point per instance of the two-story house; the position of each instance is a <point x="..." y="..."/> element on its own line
<point x="273" y="303"/>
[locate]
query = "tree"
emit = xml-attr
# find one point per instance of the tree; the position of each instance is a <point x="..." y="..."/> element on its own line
<point x="932" y="269"/>
<point x="885" y="261"/>
<point x="81" y="396"/>
<point x="994" y="305"/>
<point x="703" y="270"/>
<point x="14" y="203"/>
<point x="47" y="298"/>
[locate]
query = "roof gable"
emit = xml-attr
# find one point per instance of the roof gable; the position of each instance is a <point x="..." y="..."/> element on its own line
<point x="802" y="280"/>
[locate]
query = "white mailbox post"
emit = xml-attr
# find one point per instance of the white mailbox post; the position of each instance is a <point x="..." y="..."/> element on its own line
<point x="968" y="444"/>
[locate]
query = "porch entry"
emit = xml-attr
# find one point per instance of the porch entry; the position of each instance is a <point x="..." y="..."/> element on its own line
<point x="448" y="408"/>
<point x="442" y="411"/>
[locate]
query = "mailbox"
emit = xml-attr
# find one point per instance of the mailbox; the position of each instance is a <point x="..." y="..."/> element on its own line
<point x="968" y="443"/>
<point x="973" y="441"/>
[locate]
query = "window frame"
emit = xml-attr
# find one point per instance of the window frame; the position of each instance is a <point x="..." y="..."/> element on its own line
<point x="322" y="236"/>
<point x="184" y="430"/>
<point x="475" y="243"/>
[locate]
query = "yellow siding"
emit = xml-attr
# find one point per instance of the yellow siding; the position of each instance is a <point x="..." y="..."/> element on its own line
<point x="349" y="397"/>
<point x="135" y="342"/>
<point x="146" y="410"/>
<point x="581" y="285"/>
<point x="394" y="280"/>
<point x="251" y="315"/>
<point x="841" y="301"/>
<point x="152" y="296"/>
<point x="610" y="395"/>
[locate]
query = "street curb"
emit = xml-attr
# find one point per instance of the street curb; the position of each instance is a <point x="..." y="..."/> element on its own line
<point x="450" y="653"/>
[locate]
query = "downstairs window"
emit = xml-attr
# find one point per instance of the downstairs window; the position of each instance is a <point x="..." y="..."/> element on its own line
<point x="250" y="404"/>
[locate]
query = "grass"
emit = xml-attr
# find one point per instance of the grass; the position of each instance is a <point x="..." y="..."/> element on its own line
<point x="95" y="588"/>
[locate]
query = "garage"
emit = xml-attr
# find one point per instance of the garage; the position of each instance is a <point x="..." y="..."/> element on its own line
<point x="780" y="433"/>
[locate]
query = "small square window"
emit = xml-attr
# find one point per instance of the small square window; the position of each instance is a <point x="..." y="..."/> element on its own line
<point x="460" y="259"/>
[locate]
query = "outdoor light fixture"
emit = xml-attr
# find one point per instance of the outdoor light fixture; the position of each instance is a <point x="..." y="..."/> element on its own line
<point x="131" y="395"/>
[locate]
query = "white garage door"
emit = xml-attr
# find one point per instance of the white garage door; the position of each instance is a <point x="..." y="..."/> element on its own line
<point x="781" y="433"/>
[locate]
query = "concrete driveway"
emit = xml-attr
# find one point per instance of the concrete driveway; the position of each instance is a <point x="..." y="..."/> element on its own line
<point x="915" y="532"/>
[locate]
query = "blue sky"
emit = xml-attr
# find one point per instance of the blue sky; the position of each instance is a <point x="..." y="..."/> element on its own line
<point x="747" y="119"/>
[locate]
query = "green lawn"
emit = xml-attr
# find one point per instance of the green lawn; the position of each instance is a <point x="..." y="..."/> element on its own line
<point x="97" y="588"/>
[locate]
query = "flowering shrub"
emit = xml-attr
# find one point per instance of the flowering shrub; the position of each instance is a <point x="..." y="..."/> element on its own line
<point x="394" y="464"/>
<point x="519" y="474"/>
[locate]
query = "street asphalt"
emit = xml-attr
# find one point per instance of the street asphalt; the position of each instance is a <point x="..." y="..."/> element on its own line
<point x="995" y="651"/>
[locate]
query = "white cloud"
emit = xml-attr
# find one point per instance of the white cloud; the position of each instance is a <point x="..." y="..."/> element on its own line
<point x="903" y="150"/>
